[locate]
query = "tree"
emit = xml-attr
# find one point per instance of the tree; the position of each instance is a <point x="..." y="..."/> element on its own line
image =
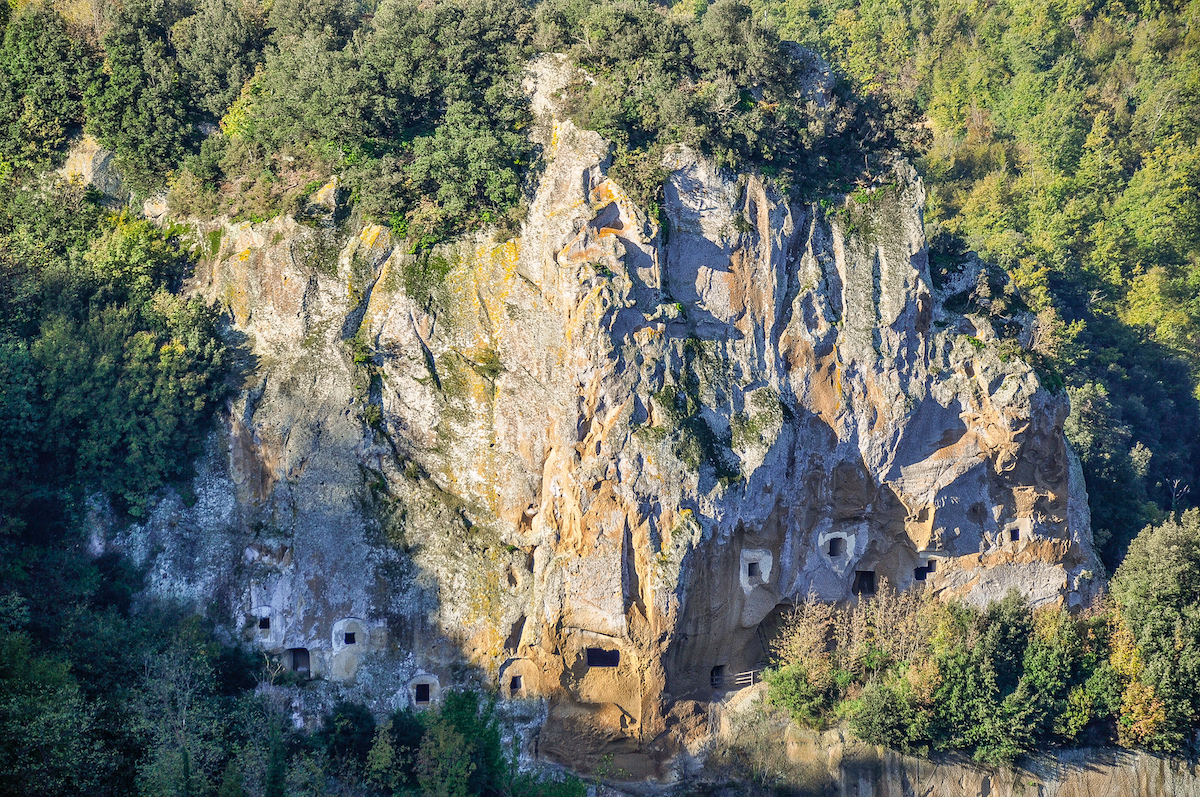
<point x="140" y="108"/>
<point x="217" y="48"/>
<point x="1157" y="588"/>
<point x="46" y="725"/>
<point x="444" y="765"/>
<point x="178" y="714"/>
<point x="43" y="74"/>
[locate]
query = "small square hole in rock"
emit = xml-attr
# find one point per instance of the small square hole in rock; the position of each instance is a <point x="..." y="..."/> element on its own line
<point x="864" y="582"/>
<point x="264" y="623"/>
<point x="515" y="684"/>
<point x="422" y="693"/>
<point x="350" y="640"/>
<point x="754" y="570"/>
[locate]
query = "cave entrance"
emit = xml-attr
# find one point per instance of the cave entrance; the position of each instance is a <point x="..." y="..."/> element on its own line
<point x="864" y="583"/>
<point x="773" y="625"/>
<point x="600" y="657"/>
<point x="297" y="661"/>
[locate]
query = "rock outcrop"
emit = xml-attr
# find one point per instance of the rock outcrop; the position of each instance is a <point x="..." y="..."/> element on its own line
<point x="834" y="763"/>
<point x="594" y="462"/>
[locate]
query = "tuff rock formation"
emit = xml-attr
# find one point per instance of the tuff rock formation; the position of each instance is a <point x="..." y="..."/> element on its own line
<point x="835" y="764"/>
<point x="607" y="440"/>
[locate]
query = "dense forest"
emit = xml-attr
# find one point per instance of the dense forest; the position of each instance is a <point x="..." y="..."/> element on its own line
<point x="1058" y="141"/>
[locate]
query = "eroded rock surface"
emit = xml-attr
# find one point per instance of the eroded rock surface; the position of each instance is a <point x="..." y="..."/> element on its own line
<point x="833" y="762"/>
<point x="596" y="461"/>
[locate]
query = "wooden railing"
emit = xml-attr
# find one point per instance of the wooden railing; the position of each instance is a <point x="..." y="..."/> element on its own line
<point x="737" y="681"/>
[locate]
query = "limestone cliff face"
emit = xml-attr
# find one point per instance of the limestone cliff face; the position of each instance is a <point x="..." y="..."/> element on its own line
<point x="607" y="440"/>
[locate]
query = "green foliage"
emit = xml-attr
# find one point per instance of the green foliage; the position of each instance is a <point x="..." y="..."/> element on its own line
<point x="421" y="110"/>
<point x="806" y="695"/>
<point x="720" y="81"/>
<point x="887" y="714"/>
<point x="452" y="751"/>
<point x="1064" y="149"/>
<point x="48" y="728"/>
<point x="44" y="72"/>
<point x="217" y="48"/>
<point x="113" y="377"/>
<point x="915" y="674"/>
<point x="139" y="105"/>
<point x="347" y="732"/>
<point x="1158" y="590"/>
<point x="444" y="765"/>
<point x="129" y="379"/>
<point x="179" y="716"/>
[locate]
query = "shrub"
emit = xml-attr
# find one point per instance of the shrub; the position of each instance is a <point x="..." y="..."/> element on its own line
<point x="1157" y="589"/>
<point x="805" y="693"/>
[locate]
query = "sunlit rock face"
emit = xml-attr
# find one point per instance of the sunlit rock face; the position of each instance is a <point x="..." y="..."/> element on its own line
<point x="595" y="461"/>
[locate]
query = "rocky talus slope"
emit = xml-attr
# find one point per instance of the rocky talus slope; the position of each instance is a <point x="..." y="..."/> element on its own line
<point x="597" y="460"/>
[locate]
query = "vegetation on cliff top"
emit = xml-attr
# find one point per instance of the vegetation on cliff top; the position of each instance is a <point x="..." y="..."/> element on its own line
<point x="1057" y="139"/>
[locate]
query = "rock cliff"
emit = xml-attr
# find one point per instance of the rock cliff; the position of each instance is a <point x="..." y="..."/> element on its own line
<point x="836" y="764"/>
<point x="594" y="463"/>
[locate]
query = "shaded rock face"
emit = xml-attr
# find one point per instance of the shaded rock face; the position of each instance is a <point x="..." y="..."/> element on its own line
<point x="835" y="763"/>
<point x="602" y="457"/>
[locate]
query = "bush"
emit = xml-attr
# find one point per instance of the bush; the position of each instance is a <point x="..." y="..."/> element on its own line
<point x="887" y="714"/>
<point x="1157" y="589"/>
<point x="911" y="673"/>
<point x="805" y="694"/>
<point x="44" y="72"/>
<point x="347" y="733"/>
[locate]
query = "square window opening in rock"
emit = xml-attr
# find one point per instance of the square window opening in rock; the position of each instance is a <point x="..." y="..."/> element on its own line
<point x="919" y="574"/>
<point x="422" y="693"/>
<point x="515" y="684"/>
<point x="264" y="624"/>
<point x="1015" y="534"/>
<point x="837" y="546"/>
<point x="864" y="582"/>
<point x="350" y="638"/>
<point x="931" y="566"/>
<point x="754" y="570"/>
<point x="299" y="660"/>
<point x="599" y="657"/>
